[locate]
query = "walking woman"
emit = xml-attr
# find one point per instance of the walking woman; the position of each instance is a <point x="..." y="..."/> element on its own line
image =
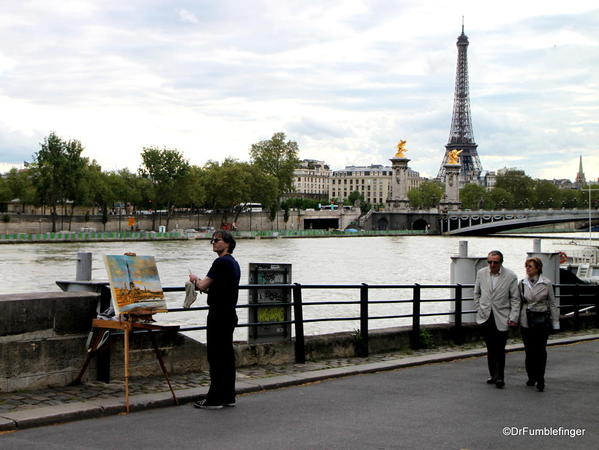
<point x="539" y="313"/>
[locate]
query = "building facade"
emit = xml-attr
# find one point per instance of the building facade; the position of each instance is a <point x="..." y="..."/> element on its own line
<point x="312" y="179"/>
<point x="372" y="182"/>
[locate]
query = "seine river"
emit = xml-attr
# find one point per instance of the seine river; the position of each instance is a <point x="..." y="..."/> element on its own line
<point x="352" y="260"/>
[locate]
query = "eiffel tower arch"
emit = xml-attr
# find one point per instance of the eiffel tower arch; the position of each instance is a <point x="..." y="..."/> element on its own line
<point x="461" y="136"/>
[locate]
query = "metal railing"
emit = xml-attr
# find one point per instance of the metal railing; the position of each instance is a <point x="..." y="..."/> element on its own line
<point x="582" y="298"/>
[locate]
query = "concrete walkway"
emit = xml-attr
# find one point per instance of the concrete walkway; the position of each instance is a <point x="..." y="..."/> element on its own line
<point x="25" y="409"/>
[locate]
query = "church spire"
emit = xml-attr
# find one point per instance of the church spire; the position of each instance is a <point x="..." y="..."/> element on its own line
<point x="580" y="178"/>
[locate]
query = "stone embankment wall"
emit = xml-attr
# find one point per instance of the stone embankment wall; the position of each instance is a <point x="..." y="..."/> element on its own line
<point x="43" y="343"/>
<point x="255" y="221"/>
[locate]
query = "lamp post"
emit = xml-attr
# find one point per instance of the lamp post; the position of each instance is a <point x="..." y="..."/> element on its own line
<point x="590" y="221"/>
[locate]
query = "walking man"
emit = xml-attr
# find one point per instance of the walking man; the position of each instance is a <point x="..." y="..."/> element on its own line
<point x="497" y="302"/>
<point x="222" y="285"/>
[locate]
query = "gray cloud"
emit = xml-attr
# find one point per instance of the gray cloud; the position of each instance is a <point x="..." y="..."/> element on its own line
<point x="349" y="77"/>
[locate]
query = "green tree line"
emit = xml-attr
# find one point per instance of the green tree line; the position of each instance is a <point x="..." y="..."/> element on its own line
<point x="515" y="190"/>
<point x="60" y="178"/>
<point x="512" y="190"/>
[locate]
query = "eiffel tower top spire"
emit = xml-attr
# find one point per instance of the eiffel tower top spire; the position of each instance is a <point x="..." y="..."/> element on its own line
<point x="461" y="136"/>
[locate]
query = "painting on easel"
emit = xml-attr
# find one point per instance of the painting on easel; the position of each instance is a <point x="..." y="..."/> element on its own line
<point x="134" y="284"/>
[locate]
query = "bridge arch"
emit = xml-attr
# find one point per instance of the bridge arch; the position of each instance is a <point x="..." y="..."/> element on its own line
<point x="420" y="224"/>
<point x="382" y="224"/>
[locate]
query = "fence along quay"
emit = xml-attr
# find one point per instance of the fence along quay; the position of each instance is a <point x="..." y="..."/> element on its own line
<point x="576" y="299"/>
<point x="582" y="299"/>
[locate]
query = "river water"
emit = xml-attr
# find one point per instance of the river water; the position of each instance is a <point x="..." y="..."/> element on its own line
<point x="351" y="260"/>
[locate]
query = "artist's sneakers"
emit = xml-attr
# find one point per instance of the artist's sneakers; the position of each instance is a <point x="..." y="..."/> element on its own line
<point x="204" y="404"/>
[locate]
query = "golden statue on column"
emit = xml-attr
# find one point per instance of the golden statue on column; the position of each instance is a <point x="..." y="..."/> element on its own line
<point x="401" y="149"/>
<point x="453" y="157"/>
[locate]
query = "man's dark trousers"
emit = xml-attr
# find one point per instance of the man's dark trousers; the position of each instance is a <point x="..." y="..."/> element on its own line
<point x="496" y="341"/>
<point x="221" y="358"/>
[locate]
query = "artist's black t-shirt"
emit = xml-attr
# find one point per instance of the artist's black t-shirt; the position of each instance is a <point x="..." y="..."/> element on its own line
<point x="224" y="290"/>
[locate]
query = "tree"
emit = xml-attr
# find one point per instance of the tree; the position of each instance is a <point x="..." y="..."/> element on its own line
<point x="519" y="185"/>
<point x="499" y="198"/>
<point x="277" y="158"/>
<point x="5" y="193"/>
<point x="546" y="195"/>
<point x="165" y="168"/>
<point x="21" y="185"/>
<point x="191" y="190"/>
<point x="427" y="195"/>
<point x="101" y="190"/>
<point x="57" y="170"/>
<point x="583" y="196"/>
<point x="226" y="185"/>
<point x="569" y="198"/>
<point x="473" y="196"/>
<point x="130" y="188"/>
<point x="74" y="184"/>
<point x="354" y="197"/>
<point x="263" y="188"/>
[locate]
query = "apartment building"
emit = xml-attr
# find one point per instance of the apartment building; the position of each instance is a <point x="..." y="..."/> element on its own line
<point x="311" y="179"/>
<point x="372" y="182"/>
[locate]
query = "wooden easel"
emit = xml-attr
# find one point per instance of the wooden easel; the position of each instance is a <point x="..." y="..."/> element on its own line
<point x="127" y="325"/>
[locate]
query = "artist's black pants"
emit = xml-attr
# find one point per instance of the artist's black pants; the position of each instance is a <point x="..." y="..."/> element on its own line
<point x="535" y="347"/>
<point x="495" y="341"/>
<point x="221" y="357"/>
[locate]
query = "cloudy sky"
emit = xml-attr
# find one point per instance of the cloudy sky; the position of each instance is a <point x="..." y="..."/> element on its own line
<point x="344" y="79"/>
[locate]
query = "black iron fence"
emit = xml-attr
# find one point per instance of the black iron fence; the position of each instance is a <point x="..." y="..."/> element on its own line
<point x="575" y="299"/>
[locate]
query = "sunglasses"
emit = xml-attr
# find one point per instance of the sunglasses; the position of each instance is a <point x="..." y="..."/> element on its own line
<point x="215" y="240"/>
<point x="493" y="262"/>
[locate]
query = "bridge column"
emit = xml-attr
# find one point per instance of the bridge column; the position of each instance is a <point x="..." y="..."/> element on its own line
<point x="399" y="185"/>
<point x="451" y="198"/>
<point x="463" y="270"/>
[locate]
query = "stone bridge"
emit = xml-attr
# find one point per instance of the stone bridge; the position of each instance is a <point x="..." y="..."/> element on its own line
<point x="488" y="222"/>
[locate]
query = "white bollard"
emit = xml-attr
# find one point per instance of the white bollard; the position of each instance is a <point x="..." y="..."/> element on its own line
<point x="463" y="270"/>
<point x="84" y="267"/>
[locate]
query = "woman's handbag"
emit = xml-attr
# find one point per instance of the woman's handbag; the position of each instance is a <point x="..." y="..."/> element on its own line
<point x="539" y="319"/>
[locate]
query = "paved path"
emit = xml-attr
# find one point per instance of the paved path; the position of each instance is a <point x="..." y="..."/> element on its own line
<point x="410" y="402"/>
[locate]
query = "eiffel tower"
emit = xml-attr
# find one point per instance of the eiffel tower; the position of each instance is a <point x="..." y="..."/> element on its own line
<point x="461" y="136"/>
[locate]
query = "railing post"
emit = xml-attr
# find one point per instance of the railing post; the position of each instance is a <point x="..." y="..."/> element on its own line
<point x="298" y="314"/>
<point x="458" y="335"/>
<point x="597" y="306"/>
<point x="415" y="338"/>
<point x="363" y="339"/>
<point x="576" y="302"/>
